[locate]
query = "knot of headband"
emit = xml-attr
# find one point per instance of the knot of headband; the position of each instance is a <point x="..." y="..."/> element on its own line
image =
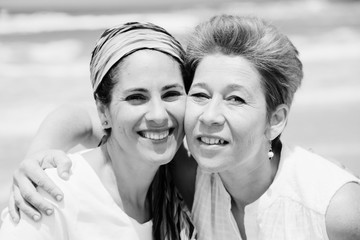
<point x="120" y="41"/>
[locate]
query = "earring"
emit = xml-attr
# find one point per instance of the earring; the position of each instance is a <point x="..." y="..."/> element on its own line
<point x="270" y="153"/>
<point x="105" y="123"/>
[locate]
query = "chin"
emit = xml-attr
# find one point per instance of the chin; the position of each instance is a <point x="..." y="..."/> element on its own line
<point x="211" y="165"/>
<point x="160" y="158"/>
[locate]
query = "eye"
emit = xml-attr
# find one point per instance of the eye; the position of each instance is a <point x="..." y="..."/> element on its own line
<point x="171" y="96"/>
<point x="199" y="97"/>
<point x="235" y="100"/>
<point x="136" y="99"/>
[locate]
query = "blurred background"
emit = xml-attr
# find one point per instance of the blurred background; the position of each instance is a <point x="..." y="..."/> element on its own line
<point x="45" y="48"/>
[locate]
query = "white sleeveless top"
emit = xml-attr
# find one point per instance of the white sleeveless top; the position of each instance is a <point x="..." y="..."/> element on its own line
<point x="293" y="207"/>
<point x="87" y="212"/>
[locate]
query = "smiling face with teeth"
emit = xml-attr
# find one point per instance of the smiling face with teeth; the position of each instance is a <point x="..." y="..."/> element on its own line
<point x="226" y="120"/>
<point x="147" y="108"/>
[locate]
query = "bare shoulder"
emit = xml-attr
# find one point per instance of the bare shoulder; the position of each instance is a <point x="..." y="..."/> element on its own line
<point x="343" y="214"/>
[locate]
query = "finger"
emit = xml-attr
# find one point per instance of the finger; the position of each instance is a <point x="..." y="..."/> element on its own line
<point x="41" y="180"/>
<point x="30" y="194"/>
<point x="59" y="160"/>
<point x="63" y="164"/>
<point x="25" y="207"/>
<point x="13" y="209"/>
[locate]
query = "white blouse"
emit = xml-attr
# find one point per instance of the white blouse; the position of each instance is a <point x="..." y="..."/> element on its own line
<point x="293" y="207"/>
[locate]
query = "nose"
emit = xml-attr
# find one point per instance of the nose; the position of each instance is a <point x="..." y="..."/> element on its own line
<point x="213" y="113"/>
<point x="157" y="113"/>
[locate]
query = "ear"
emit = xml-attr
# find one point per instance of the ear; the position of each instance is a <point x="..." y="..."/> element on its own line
<point x="104" y="115"/>
<point x="278" y="120"/>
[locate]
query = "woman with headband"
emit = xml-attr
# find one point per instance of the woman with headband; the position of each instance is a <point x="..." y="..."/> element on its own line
<point x="121" y="189"/>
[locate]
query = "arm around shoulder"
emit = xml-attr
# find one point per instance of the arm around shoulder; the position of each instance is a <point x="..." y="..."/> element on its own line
<point x="62" y="129"/>
<point x="343" y="214"/>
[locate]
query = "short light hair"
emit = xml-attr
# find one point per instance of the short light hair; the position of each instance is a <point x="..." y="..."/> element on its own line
<point x="270" y="52"/>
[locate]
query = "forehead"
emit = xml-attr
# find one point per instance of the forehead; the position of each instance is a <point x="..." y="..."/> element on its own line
<point x="220" y="70"/>
<point x="149" y="67"/>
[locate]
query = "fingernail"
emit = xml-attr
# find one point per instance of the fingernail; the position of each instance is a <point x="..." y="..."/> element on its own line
<point x="65" y="175"/>
<point x="49" y="211"/>
<point x="59" y="198"/>
<point x="36" y="217"/>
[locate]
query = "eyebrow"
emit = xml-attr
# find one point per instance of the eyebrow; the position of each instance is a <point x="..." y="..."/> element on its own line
<point x="136" y="90"/>
<point x="144" y="90"/>
<point x="231" y="86"/>
<point x="236" y="87"/>
<point x="167" y="87"/>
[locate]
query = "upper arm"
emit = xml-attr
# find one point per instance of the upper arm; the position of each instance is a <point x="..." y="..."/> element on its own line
<point x="95" y="132"/>
<point x="183" y="169"/>
<point x="343" y="214"/>
<point x="66" y="127"/>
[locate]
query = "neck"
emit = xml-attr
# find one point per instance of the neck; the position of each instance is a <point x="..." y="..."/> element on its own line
<point x="132" y="179"/>
<point x="246" y="184"/>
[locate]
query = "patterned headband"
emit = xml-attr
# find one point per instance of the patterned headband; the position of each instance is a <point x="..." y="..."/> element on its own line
<point x="120" y="41"/>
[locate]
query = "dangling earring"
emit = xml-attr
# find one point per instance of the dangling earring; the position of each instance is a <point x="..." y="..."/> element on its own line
<point x="270" y="153"/>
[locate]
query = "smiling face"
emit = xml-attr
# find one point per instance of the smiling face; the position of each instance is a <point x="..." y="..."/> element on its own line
<point x="147" y="108"/>
<point x="225" y="120"/>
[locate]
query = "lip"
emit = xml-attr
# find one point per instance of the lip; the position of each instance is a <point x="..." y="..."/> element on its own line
<point x="156" y="135"/>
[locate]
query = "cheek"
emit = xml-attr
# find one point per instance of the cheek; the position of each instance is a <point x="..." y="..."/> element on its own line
<point x="191" y="116"/>
<point x="177" y="110"/>
<point x="248" y="131"/>
<point x="124" y="118"/>
<point x="120" y="124"/>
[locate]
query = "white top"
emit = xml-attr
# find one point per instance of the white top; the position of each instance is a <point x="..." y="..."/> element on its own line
<point x="293" y="207"/>
<point x="86" y="212"/>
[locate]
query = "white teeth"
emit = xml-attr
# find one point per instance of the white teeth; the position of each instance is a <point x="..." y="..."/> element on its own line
<point x="212" y="141"/>
<point x="155" y="135"/>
